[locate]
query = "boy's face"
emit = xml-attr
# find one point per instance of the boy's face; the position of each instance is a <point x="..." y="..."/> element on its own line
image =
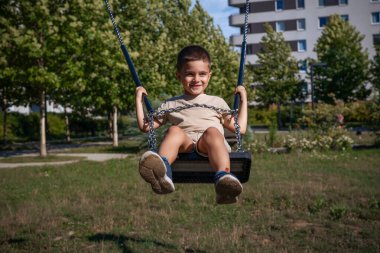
<point x="194" y="77"/>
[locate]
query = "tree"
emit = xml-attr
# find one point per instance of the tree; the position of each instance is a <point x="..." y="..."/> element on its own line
<point x="67" y="52"/>
<point x="158" y="31"/>
<point x="375" y="70"/>
<point x="346" y="73"/>
<point x="276" y="70"/>
<point x="31" y="28"/>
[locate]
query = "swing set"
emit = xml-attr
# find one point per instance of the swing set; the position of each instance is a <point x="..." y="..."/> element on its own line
<point x="191" y="167"/>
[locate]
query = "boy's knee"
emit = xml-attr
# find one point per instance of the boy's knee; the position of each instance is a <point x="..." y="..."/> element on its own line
<point x="212" y="134"/>
<point x="175" y="130"/>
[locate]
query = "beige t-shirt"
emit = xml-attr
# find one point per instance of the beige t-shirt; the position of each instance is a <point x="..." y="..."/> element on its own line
<point x="194" y="121"/>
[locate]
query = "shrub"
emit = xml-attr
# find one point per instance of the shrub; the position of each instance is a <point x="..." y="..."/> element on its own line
<point x="257" y="147"/>
<point x="336" y="139"/>
<point x="323" y="117"/>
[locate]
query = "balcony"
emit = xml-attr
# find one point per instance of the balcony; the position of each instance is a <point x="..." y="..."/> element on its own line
<point x="236" y="40"/>
<point x="236" y="2"/>
<point x="236" y="20"/>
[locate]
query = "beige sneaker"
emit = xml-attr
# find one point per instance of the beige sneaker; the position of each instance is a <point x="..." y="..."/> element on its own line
<point x="153" y="170"/>
<point x="227" y="188"/>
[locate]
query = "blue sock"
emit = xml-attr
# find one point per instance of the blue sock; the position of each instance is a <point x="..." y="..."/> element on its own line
<point x="168" y="167"/>
<point x="219" y="174"/>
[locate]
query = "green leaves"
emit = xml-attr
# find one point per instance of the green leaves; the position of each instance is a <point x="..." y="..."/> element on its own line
<point x="346" y="73"/>
<point x="276" y="69"/>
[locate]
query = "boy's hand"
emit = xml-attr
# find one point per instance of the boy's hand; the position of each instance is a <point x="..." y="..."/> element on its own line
<point x="140" y="91"/>
<point x="243" y="93"/>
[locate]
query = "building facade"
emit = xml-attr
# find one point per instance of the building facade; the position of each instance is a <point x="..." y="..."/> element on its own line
<point x="302" y="22"/>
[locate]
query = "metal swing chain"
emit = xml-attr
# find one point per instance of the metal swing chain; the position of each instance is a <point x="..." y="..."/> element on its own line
<point x="152" y="138"/>
<point x="237" y="130"/>
<point x="114" y="23"/>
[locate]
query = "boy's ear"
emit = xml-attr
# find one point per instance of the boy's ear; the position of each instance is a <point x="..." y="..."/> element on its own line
<point x="177" y="75"/>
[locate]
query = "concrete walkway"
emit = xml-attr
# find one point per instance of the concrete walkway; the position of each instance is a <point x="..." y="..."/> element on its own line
<point x="99" y="157"/>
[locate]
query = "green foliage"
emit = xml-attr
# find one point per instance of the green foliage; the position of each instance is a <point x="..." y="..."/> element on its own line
<point x="347" y="65"/>
<point x="318" y="205"/>
<point x="259" y="116"/>
<point x="375" y="70"/>
<point x="24" y="127"/>
<point x="337" y="211"/>
<point x="332" y="139"/>
<point x="69" y="50"/>
<point x="56" y="126"/>
<point x="323" y="117"/>
<point x="366" y="112"/>
<point x="276" y="70"/>
<point x="272" y="133"/>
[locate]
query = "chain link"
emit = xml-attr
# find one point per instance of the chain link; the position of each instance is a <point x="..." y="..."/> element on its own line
<point x="152" y="138"/>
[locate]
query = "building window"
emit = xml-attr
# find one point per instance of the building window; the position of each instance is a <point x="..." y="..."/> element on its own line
<point x="301" y="45"/>
<point x="249" y="50"/>
<point x="301" y="4"/>
<point x="302" y="65"/>
<point x="376" y="39"/>
<point x="343" y="2"/>
<point x="323" y="21"/>
<point x="280" y="26"/>
<point x="344" y="17"/>
<point x="301" y="25"/>
<point x="321" y="3"/>
<point x="279" y="5"/>
<point x="375" y="17"/>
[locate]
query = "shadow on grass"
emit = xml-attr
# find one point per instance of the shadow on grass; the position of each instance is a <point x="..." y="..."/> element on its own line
<point x="124" y="149"/>
<point x="122" y="240"/>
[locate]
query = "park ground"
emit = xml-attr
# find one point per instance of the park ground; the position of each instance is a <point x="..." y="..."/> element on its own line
<point x="293" y="202"/>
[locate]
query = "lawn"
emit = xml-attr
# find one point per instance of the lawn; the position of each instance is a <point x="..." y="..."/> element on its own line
<point x="298" y="202"/>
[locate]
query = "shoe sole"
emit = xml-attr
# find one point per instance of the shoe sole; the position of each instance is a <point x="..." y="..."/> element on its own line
<point x="152" y="169"/>
<point x="227" y="190"/>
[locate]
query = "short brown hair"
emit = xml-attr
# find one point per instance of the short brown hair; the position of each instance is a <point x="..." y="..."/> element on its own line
<point x="192" y="53"/>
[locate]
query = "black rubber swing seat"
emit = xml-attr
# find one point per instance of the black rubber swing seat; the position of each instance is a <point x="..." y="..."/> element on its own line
<point x="193" y="168"/>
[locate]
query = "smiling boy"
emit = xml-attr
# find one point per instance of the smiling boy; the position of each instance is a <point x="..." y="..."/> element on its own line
<point x="194" y="129"/>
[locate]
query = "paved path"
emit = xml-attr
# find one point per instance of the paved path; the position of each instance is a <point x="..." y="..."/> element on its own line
<point x="89" y="156"/>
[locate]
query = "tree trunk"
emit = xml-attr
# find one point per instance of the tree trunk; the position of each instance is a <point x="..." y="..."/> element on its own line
<point x="43" y="151"/>
<point x="4" y="125"/>
<point x="115" y="142"/>
<point x="67" y="123"/>
<point x="110" y="125"/>
<point x="4" y="109"/>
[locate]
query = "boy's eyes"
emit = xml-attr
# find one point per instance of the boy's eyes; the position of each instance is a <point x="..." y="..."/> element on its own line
<point x="193" y="74"/>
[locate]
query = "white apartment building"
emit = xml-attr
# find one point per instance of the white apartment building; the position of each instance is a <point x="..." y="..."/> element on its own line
<point x="302" y="22"/>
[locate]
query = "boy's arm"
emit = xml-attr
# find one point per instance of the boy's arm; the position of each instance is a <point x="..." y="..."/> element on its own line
<point x="242" y="115"/>
<point x="142" y="124"/>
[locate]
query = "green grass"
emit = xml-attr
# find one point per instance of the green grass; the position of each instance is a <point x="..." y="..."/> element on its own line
<point x="39" y="159"/>
<point x="298" y="202"/>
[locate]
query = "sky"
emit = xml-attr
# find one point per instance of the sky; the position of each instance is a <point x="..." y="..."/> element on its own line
<point x="220" y="11"/>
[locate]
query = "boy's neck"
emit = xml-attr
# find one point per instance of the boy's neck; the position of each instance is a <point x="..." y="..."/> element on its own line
<point x="193" y="96"/>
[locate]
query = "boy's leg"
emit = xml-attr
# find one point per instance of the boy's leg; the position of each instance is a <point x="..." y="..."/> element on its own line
<point x="175" y="141"/>
<point x="227" y="186"/>
<point x="155" y="168"/>
<point x="212" y="144"/>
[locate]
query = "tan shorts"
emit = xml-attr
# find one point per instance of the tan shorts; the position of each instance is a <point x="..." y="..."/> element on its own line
<point x="195" y="136"/>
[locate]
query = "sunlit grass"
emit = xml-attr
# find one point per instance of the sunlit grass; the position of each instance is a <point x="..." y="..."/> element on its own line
<point x="298" y="202"/>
